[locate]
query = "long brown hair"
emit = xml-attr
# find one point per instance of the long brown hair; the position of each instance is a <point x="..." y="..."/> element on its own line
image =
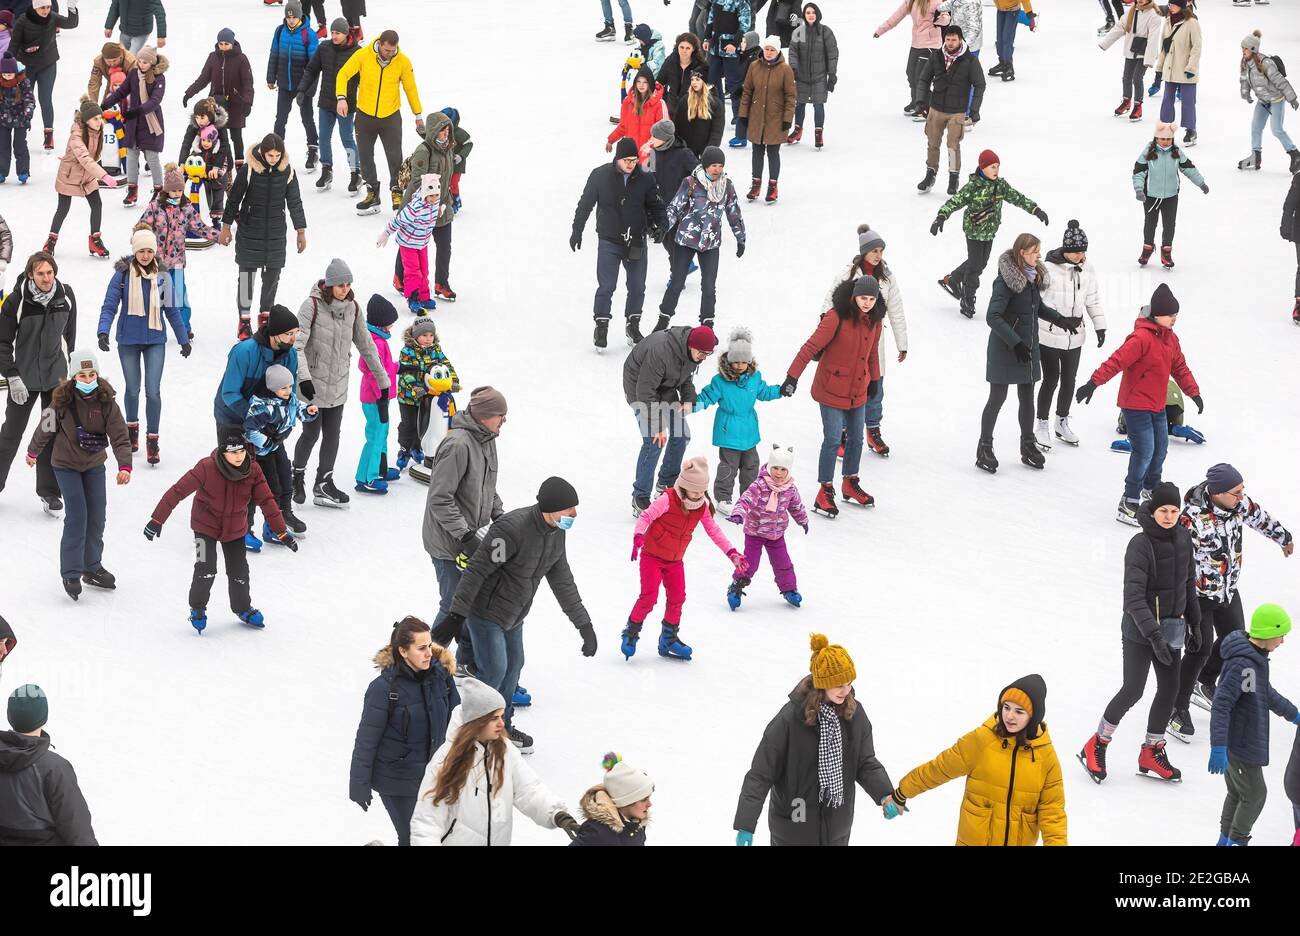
<point x="454" y="774"/>
<point x="697" y="56"/>
<point x="814" y="697"/>
<point x="1024" y="242"/>
<point x="640" y="100"/>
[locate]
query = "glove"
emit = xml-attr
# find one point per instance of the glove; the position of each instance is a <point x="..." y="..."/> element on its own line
<point x="805" y="528"/>
<point x="1022" y="352"/>
<point x="363" y="803"/>
<point x="1101" y="337"/>
<point x="382" y="239"/>
<point x="785" y="126"/>
<point x="152" y="529"/>
<point x="872" y="387"/>
<point x="467" y="545"/>
<point x="130" y="113"/>
<point x="1205" y="189"/>
<point x="1140" y="196"/>
<point x="575" y="241"/>
<point x="657" y="235"/>
<point x="287" y="539"/>
<point x="1190" y="75"/>
<point x="937" y="226"/>
<point x="567" y="823"/>
<point x="18" y="391"/>
<point x="738" y="561"/>
<point x="185" y="100"/>
<point x="787" y="386"/>
<point x="1033" y="22"/>
<point x="1295" y="105"/>
<point x="831" y="79"/>
<point x="1084" y="393"/>
<point x="735" y="518"/>
<point x="1200" y="405"/>
<point x="1193" y="638"/>
<point x="740" y="249"/>
<point x="103" y="341"/>
<point x="449" y="628"/>
<point x="308" y="389"/>
<point x="1160" y="647"/>
<point x="637" y="540"/>
<point x="588" y="635"/>
<point x="1188" y="433"/>
<point x="1041" y="215"/>
<point x="1218" y="759"/>
<point x="744" y="838"/>
<point x="383" y="407"/>
<point x="794" y="20"/>
<point x="1071" y="324"/>
<point x="186" y="349"/>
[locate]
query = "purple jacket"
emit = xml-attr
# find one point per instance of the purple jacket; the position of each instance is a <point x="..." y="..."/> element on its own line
<point x="137" y="130"/>
<point x="769" y="524"/>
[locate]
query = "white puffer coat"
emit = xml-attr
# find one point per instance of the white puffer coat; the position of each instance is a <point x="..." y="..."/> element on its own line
<point x="1072" y="291"/>
<point x="1147" y="24"/>
<point x="893" y="296"/>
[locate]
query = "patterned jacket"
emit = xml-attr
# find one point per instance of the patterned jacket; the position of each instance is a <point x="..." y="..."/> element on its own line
<point x="969" y="15"/>
<point x="982" y="198"/>
<point x="769" y="524"/>
<point x="170" y="225"/>
<point x="413" y="366"/>
<point x="271" y="419"/>
<point x="17" y="104"/>
<point x="413" y="225"/>
<point x="1216" y="540"/>
<point x="699" y="221"/>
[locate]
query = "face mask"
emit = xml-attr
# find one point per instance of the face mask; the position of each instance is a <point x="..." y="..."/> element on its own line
<point x="565" y="523"/>
<point x="173" y="201"/>
<point x="87" y="388"/>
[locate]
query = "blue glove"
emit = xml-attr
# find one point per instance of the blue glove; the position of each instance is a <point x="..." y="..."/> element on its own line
<point x="1296" y="720"/>
<point x="744" y="838"/>
<point x="891" y="811"/>
<point x="1218" y="760"/>
<point x="1185" y="432"/>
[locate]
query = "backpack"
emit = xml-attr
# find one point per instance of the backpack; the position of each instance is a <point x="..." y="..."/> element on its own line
<point x="404" y="170"/>
<point x="1281" y="67"/>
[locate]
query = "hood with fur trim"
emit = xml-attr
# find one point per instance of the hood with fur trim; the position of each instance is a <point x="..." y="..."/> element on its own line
<point x="1014" y="274"/>
<point x="725" y="371"/>
<point x="257" y="164"/>
<point x="219" y="117"/>
<point x="384" y="658"/>
<point x="597" y="806"/>
<point x="408" y="339"/>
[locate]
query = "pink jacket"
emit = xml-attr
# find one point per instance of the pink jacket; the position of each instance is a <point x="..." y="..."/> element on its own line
<point x="769" y="524"/>
<point x="927" y="30"/>
<point x="660" y="507"/>
<point x="369" y="386"/>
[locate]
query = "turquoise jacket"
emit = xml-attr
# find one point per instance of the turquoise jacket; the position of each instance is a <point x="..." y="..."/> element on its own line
<point x="1157" y="176"/>
<point x="736" y="424"/>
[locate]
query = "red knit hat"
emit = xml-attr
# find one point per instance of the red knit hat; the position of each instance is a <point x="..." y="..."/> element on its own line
<point x="988" y="158"/>
<point x="702" y="339"/>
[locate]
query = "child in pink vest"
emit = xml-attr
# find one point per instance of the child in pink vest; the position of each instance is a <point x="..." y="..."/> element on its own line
<point x="765" y="509"/>
<point x="373" y="473"/>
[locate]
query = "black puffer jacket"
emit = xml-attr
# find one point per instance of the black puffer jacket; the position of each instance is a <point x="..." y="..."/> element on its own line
<point x="188" y="145"/>
<point x="40" y="801"/>
<point x="622" y="208"/>
<point x="258" y="201"/>
<point x="603" y="824"/>
<point x="324" y="67"/>
<point x="700" y="132"/>
<point x="35" y="339"/>
<point x="672" y="165"/>
<point x="950" y="88"/>
<point x="229" y="78"/>
<point x="676" y="79"/>
<point x="34" y="39"/>
<point x="1159" y="578"/>
<point x="1014" y="310"/>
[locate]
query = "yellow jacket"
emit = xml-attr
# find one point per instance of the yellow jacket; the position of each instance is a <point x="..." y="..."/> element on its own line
<point x="1011" y="792"/>
<point x="1008" y="5"/>
<point x="377" y="93"/>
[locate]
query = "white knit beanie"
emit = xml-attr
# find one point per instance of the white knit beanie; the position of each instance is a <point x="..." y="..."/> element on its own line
<point x="781" y="456"/>
<point x="627" y="785"/>
<point x="478" y="699"/>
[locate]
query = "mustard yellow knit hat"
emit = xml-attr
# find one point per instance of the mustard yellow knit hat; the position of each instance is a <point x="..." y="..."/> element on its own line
<point x="831" y="664"/>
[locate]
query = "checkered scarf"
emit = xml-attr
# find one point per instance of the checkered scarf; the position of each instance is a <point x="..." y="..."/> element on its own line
<point x="830" y="757"/>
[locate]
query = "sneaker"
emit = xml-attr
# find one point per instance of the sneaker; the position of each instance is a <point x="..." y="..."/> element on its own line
<point x="1127" y="512"/>
<point x="1181" y="727"/>
<point x="52" y="506"/>
<point x="520" y="740"/>
<point x="1042" y="435"/>
<point x="1064" y="432"/>
<point x="606" y="34"/>
<point x="377" y="486"/>
<point x="325" y="494"/>
<point x="368" y="205"/>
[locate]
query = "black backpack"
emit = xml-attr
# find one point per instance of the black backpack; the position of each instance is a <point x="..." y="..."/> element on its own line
<point x="1281" y="66"/>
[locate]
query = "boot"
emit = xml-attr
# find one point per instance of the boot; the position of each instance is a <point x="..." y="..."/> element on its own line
<point x="444" y="292"/>
<point x="967" y="307"/>
<point x="628" y="38"/>
<point x="852" y="492"/>
<point x="755" y="187"/>
<point x="1181" y="727"/>
<point x="606" y="34"/>
<point x="1042" y="435"/>
<point x="151" y="448"/>
<point x="370" y="204"/>
<point x="639" y="505"/>
<point x="793" y="597"/>
<point x="1110" y="24"/>
<point x="50" y="243"/>
<point x="100" y="578"/>
<point x="132" y="195"/>
<point x="1009" y="74"/>
<point x="300" y="485"/>
<point x="253" y="618"/>
<point x="1127" y="511"/>
<point x="818" y="140"/>
<point x="262" y="318"/>
<point x="928" y="182"/>
<point x="670" y="646"/>
<point x="953" y="181"/>
<point x="72" y="585"/>
<point x="1093" y="757"/>
<point x="999" y="68"/>
<point x="1167" y="257"/>
<point x="48" y="142"/>
<point x="1123" y="107"/>
<point x="796" y="134"/>
<point x="1251" y="162"/>
<point x="1136" y="113"/>
<point x="354" y="182"/>
<point x="1145" y="255"/>
<point x="736" y="591"/>
<point x="325" y="494"/>
<point x="133" y="433"/>
<point x="1295" y="312"/>
<point x="876" y="442"/>
<point x="326" y="177"/>
<point x="97" y="248"/>
<point x="632" y="330"/>
<point x="245" y="328"/>
<point x="951" y="286"/>
<point x="199" y="619"/>
<point x="825" y="501"/>
<point x="771" y="191"/>
<point x="1153" y="761"/>
<point x="294" y="525"/>
<point x="601" y="337"/>
<point x="984" y="457"/>
<point x="663" y="322"/>
<point x="1064" y="432"/>
<point x="322" y="32"/>
<point x="631" y="634"/>
<point x="313" y="159"/>
<point x="1189" y="138"/>
<point x="1294" y="156"/>
<point x="1029" y="453"/>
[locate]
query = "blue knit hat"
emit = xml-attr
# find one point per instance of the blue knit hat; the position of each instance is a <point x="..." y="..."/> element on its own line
<point x="380" y="312"/>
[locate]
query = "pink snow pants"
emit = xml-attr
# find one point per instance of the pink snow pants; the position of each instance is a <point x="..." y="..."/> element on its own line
<point x="777" y="554"/>
<point x="415" y="271"/>
<point x="673" y="576"/>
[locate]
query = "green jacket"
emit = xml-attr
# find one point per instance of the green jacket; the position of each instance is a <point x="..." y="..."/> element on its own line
<point x="428" y="157"/>
<point x="982" y="198"/>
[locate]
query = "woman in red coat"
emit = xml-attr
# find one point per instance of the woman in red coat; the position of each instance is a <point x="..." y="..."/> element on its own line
<point x="642" y="109"/>
<point x="847" y="339"/>
<point x="1147" y="358"/>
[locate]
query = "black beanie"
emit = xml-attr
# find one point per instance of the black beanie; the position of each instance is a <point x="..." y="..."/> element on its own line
<point x="712" y="156"/>
<point x="625" y="148"/>
<point x="1166" y="494"/>
<point x="380" y="312"/>
<point x="280" y="320"/>
<point x="1163" y="301"/>
<point x="230" y="438"/>
<point x="555" y="495"/>
<point x="953" y="29"/>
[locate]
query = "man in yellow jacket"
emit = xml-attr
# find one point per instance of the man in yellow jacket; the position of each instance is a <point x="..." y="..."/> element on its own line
<point x="382" y="68"/>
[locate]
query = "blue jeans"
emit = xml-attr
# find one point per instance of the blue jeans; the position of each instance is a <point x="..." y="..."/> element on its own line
<point x="819" y="114"/>
<point x="448" y="576"/>
<point x="609" y="11"/>
<point x="153" y="355"/>
<point x="1270" y="114"/>
<point x="726" y="68"/>
<point x="373" y="460"/>
<point x="84" y="506"/>
<point x="1148" y="435"/>
<point x="679" y="434"/>
<point x="180" y="296"/>
<point x="498" y="657"/>
<point x="1007" y="22"/>
<point x="875" y="406"/>
<point x="609" y="257"/>
<point x="835" y="422"/>
<point x="326" y="121"/>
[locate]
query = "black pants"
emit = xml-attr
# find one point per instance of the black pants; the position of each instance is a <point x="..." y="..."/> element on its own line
<point x="442" y="258"/>
<point x="1134" y="80"/>
<point x="400" y="809"/>
<point x="1166" y="209"/>
<point x="330" y="423"/>
<point x="279" y="478"/>
<point x="65" y="202"/>
<point x="773" y="151"/>
<point x="1062" y="366"/>
<point x="915" y="59"/>
<point x="1025" y="411"/>
<point x="11" y="437"/>
<point x="316" y="10"/>
<point x="306" y="109"/>
<point x="205" y="570"/>
<point x="968" y="271"/>
<point x="353" y="10"/>
<point x="1119" y="9"/>
<point x="387" y="131"/>
<point x="1217" y="621"/>
<point x="237" y="141"/>
<point x="266" y="299"/>
<point x="1297" y="266"/>
<point x="1138" y="659"/>
<point x="413" y="423"/>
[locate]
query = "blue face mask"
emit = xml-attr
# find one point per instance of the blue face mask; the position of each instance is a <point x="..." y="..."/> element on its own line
<point x="87" y="388"/>
<point x="565" y="523"/>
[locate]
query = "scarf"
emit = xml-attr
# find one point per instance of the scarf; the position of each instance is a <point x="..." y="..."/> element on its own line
<point x="949" y="59"/>
<point x="1176" y="18"/>
<point x="1031" y="273"/>
<point x="716" y="190"/>
<point x="229" y="471"/>
<point x="10" y="83"/>
<point x="135" y="296"/>
<point x="41" y="298"/>
<point x="775" y="489"/>
<point x="142" y="98"/>
<point x="830" y="757"/>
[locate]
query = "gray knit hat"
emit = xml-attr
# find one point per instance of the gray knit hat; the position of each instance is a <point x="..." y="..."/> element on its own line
<point x="868" y="240"/>
<point x="28" y="708"/>
<point x="477" y="699"/>
<point x="293" y="8"/>
<point x="751" y="40"/>
<point x="1075" y="240"/>
<point x="82" y="359"/>
<point x="226" y="35"/>
<point x="664" y="130"/>
<point x="340" y="25"/>
<point x="740" y="347"/>
<point x="278" y="377"/>
<point x="423" y="326"/>
<point x="866" y="286"/>
<point x="338" y="273"/>
<point x="1252" y="41"/>
<point x="486" y="402"/>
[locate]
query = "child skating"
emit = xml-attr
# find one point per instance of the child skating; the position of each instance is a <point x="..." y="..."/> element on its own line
<point x="425" y="378"/>
<point x="273" y="411"/>
<point x="1156" y="184"/>
<point x="173" y="218"/>
<point x="413" y="226"/>
<point x="373" y="473"/>
<point x="765" y="509"/>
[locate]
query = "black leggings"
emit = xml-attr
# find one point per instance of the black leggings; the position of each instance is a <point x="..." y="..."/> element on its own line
<point x="237" y="141"/>
<point x="1166" y="209"/>
<point x="65" y="203"/>
<point x="998" y="396"/>
<point x="1119" y="9"/>
<point x="1297" y="267"/>
<point x="773" y="151"/>
<point x="414" y="423"/>
<point x="331" y="423"/>
<point x="1138" y="659"/>
<point x="266" y="299"/>
<point x="1217" y="621"/>
<point x="279" y="478"/>
<point x="1062" y="365"/>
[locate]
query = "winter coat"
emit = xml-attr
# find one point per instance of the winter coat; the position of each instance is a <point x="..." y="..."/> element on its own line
<point x="257" y="201"/>
<point x="653" y="54"/>
<point x="171" y="224"/>
<point x="1013" y="313"/>
<point x="1071" y="290"/>
<point x="413" y="366"/>
<point x="814" y="58"/>
<point x="1184" y="54"/>
<point x="6" y="246"/>
<point x="969" y="15"/>
<point x="246" y="365"/>
<point x="700" y="132"/>
<point x="270" y="421"/>
<point x="1217" y="539"/>
<point x="189" y="143"/>
<point x="228" y="76"/>
<point x="370" y="389"/>
<point x="676" y="80"/>
<point x="482" y="815"/>
<point x="659" y="370"/>
<point x="328" y="329"/>
<point x="890" y="293"/>
<point x="736" y="425"/>
<point x="323" y="69"/>
<point x="672" y="165"/>
<point x="377" y="90"/>
<point x="1289" y="229"/>
<point x="403" y="723"/>
<point x="1148" y="25"/>
<point x="144" y="98"/>
<point x="927" y="22"/>
<point x="134" y="329"/>
<point x="767" y="100"/>
<point x="35" y="339"/>
<point x="40" y="800"/>
<point x="725" y="24"/>
<point x="850" y="358"/>
<point x="221" y="502"/>
<point x="413" y="225"/>
<point x="668" y="527"/>
<point x="769" y="524"/>
<point x="17" y="104"/>
<point x="1156" y="174"/>
<point x="462" y="494"/>
<point x="1014" y="791"/>
<point x="982" y="198"/>
<point x="99" y="74"/>
<point x="137" y="17"/>
<point x="1269" y="86"/>
<point x="637" y="126"/>
<point x="97" y="412"/>
<point x="1148" y="358"/>
<point x="1291" y="781"/>
<point x="291" y="50"/>
<point x="79" y="169"/>
<point x="220" y="158"/>
<point x="1242" y="701"/>
<point x="34" y="39"/>
<point x="429" y="156"/>
<point x="503" y="575"/>
<point x="626" y="206"/>
<point x="697" y="220"/>
<point x="948" y="88"/>
<point x="1159" y="579"/>
<point x="462" y="144"/>
<point x="604" y="824"/>
<point x="784" y="771"/>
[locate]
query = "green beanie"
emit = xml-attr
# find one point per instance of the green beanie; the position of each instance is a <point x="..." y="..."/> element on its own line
<point x="1269" y="621"/>
<point x="28" y="708"/>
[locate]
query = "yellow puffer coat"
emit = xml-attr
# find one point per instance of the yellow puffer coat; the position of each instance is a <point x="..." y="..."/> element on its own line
<point x="1011" y="792"/>
<point x="378" y="92"/>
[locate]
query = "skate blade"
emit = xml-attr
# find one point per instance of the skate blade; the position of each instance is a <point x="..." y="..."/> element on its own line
<point x="1028" y="464"/>
<point x="988" y="468"/>
<point x="1042" y="447"/>
<point x="1200" y="703"/>
<point x="1067" y="441"/>
<point x="1186" y="739"/>
<point x="326" y="502"/>
<point x="849" y="500"/>
<point x="826" y="513"/>
<point x="1082" y="760"/>
<point x="1155" y="776"/>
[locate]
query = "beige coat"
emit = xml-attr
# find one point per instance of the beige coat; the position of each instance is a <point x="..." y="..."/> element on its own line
<point x="768" y="100"/>
<point x="99" y="75"/>
<point x="1185" y="53"/>
<point x="79" y="170"/>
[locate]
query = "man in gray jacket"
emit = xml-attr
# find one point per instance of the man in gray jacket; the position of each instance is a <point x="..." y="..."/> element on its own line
<point x="498" y="586"/>
<point x="40" y="801"/>
<point x="329" y="321"/>
<point x="658" y="382"/>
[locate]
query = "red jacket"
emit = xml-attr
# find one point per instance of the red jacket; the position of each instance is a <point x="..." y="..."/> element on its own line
<point x="638" y="128"/>
<point x="668" y="537"/>
<point x="220" y="505"/>
<point x="849" y="360"/>
<point x="1148" y="357"/>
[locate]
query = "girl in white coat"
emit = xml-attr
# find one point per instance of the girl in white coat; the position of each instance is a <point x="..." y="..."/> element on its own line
<point x="1072" y="291"/>
<point x="477" y="779"/>
<point x="1141" y="28"/>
